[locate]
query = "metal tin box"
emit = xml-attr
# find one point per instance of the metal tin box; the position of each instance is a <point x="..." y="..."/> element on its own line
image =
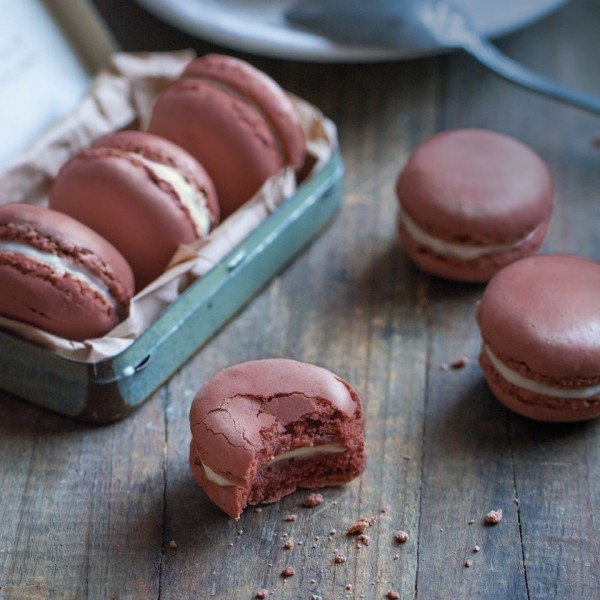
<point x="111" y="389"/>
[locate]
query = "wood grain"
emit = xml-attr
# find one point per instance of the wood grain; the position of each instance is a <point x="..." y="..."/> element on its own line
<point x="114" y="512"/>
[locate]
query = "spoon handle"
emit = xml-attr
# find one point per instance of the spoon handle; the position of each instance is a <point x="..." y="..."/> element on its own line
<point x="489" y="55"/>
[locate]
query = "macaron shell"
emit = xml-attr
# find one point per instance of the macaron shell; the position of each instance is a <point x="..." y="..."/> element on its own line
<point x="263" y="91"/>
<point x="122" y="200"/>
<point x="34" y="293"/>
<point x="538" y="406"/>
<point x="480" y="269"/>
<point x="59" y="305"/>
<point x="475" y="186"/>
<point x="224" y="133"/>
<point x="542" y="314"/>
<point x="162" y="151"/>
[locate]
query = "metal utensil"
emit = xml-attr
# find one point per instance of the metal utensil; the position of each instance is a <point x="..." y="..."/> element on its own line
<point x="425" y="25"/>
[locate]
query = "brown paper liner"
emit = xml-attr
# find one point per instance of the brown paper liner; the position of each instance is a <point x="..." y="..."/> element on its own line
<point x="121" y="96"/>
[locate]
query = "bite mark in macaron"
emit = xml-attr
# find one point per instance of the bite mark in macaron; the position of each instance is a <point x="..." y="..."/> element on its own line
<point x="264" y="428"/>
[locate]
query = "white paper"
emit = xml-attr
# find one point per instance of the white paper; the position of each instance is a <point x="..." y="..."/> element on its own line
<point x="41" y="78"/>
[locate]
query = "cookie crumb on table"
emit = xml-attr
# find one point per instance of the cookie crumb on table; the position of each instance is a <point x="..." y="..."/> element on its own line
<point x="361" y="525"/>
<point x="339" y="559"/>
<point x="313" y="499"/>
<point x="261" y="594"/>
<point x="401" y="537"/>
<point x="288" y="572"/>
<point x="173" y="544"/>
<point x="392" y="595"/>
<point x="365" y="539"/>
<point x="493" y="517"/>
<point x="288" y="545"/>
<point x="291" y="518"/>
<point x="460" y="362"/>
<point x="476" y="549"/>
<point x="468" y="563"/>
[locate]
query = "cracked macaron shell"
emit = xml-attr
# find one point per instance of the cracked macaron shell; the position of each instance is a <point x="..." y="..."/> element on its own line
<point x="476" y="188"/>
<point x="232" y="413"/>
<point x="34" y="292"/>
<point x="541" y="315"/>
<point x="235" y="120"/>
<point x="124" y="200"/>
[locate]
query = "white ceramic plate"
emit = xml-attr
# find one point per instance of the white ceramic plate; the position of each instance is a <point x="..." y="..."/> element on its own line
<point x="258" y="26"/>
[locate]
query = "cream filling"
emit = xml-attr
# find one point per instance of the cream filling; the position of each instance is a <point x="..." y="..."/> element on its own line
<point x="460" y="251"/>
<point x="305" y="452"/>
<point x="62" y="267"/>
<point x="194" y="202"/>
<point x="539" y="388"/>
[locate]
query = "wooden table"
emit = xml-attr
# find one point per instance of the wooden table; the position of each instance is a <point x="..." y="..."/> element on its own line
<point x="113" y="512"/>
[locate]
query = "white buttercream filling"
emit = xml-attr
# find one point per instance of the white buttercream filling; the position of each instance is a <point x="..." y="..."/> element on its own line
<point x="61" y="267"/>
<point x="194" y="202"/>
<point x="460" y="251"/>
<point x="536" y="387"/>
<point x="305" y="452"/>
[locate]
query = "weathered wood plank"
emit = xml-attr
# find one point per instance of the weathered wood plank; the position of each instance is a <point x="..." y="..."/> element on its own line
<point x="90" y="512"/>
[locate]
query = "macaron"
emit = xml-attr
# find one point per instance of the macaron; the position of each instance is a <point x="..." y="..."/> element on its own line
<point x="236" y="120"/>
<point x="264" y="428"/>
<point x="472" y="201"/>
<point x="142" y="193"/>
<point x="59" y="275"/>
<point x="540" y="326"/>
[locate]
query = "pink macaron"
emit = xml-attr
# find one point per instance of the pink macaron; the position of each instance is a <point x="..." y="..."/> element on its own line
<point x="142" y="193"/>
<point x="59" y="275"/>
<point x="235" y="120"/>
<point x="264" y="428"/>
<point x="472" y="201"/>
<point x="540" y="324"/>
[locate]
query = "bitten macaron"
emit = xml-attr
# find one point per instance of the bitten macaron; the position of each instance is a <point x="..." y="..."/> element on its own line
<point x="540" y="326"/>
<point x="472" y="201"/>
<point x="262" y="429"/>
<point x="236" y="120"/>
<point x="142" y="193"/>
<point x="59" y="275"/>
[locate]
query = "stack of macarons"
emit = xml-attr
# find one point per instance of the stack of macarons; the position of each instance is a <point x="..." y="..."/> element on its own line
<point x="475" y="205"/>
<point x="215" y="136"/>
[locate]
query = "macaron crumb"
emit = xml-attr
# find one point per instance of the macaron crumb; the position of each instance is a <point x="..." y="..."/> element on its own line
<point x="493" y="517"/>
<point x="291" y="518"/>
<point x="365" y="539"/>
<point x="173" y="544"/>
<point x="313" y="499"/>
<point x="392" y="595"/>
<point x="288" y="572"/>
<point x="361" y="525"/>
<point x="261" y="594"/>
<point x="468" y="563"/>
<point x="289" y="545"/>
<point x="460" y="362"/>
<point x="339" y="559"/>
<point x="401" y="537"/>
